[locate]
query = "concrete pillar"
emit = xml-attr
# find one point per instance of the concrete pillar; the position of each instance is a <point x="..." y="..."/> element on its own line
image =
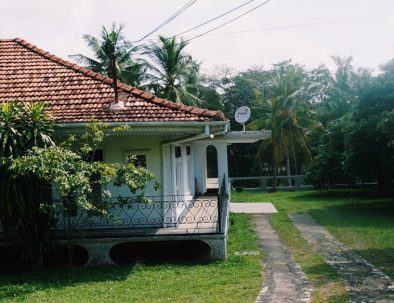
<point x="222" y="160"/>
<point x="218" y="248"/>
<point x="200" y="164"/>
<point x="98" y="254"/>
<point x="263" y="184"/>
<point x="297" y="182"/>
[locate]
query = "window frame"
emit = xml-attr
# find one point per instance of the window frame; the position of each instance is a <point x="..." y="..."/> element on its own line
<point x="137" y="152"/>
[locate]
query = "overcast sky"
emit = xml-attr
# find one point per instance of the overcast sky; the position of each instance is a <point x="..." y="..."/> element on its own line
<point x="58" y="25"/>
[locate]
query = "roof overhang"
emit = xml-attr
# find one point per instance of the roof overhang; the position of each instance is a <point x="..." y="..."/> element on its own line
<point x="186" y="128"/>
<point x="244" y="136"/>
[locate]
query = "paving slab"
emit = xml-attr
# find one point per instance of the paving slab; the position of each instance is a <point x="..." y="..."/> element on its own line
<point x="365" y="283"/>
<point x="284" y="279"/>
<point x="253" y="208"/>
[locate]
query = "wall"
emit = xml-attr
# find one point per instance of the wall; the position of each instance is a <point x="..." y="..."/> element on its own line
<point x="115" y="149"/>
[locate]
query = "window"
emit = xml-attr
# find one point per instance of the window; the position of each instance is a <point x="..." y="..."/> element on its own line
<point x="188" y="150"/>
<point x="137" y="160"/>
<point x="137" y="157"/>
<point x="178" y="152"/>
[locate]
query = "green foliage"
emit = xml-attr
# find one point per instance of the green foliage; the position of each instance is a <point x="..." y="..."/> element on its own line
<point x="284" y="109"/>
<point x="33" y="168"/>
<point x="329" y="167"/>
<point x="23" y="204"/>
<point x="112" y="42"/>
<point x="172" y="73"/>
<point x="359" y="146"/>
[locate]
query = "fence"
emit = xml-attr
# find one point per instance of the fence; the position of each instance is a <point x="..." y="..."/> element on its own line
<point x="264" y="183"/>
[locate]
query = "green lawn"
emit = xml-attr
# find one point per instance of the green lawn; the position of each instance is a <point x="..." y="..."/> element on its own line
<point x="363" y="221"/>
<point x="236" y="280"/>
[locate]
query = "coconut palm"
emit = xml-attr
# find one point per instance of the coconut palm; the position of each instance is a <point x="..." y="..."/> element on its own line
<point x="112" y="43"/>
<point x="287" y="114"/>
<point x="172" y="73"/>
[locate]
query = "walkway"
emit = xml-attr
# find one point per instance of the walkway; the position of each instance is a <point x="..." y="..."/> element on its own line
<point x="365" y="282"/>
<point x="284" y="279"/>
<point x="253" y="208"/>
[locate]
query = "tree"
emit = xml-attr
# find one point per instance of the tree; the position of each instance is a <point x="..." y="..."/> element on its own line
<point x="172" y="73"/>
<point x="24" y="207"/>
<point x="112" y="43"/>
<point x="357" y="147"/>
<point x="369" y="154"/>
<point x="33" y="167"/>
<point x="329" y="166"/>
<point x="284" y="110"/>
<point x="335" y="94"/>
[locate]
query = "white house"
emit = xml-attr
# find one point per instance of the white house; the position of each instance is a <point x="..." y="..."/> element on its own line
<point x="170" y="139"/>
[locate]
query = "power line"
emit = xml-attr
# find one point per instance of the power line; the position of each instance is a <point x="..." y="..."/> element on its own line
<point x="172" y="17"/>
<point x="301" y="25"/>
<point x="215" y="18"/>
<point x="207" y="22"/>
<point x="231" y="20"/>
<point x="215" y="28"/>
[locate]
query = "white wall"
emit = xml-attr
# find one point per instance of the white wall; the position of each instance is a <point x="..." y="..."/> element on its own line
<point x="115" y="148"/>
<point x="200" y="160"/>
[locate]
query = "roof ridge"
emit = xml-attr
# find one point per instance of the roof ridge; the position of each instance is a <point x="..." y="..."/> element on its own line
<point x="8" y="40"/>
<point x="128" y="88"/>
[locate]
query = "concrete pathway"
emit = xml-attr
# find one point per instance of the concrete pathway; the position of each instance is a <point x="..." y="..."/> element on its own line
<point x="365" y="282"/>
<point x="253" y="208"/>
<point x="284" y="279"/>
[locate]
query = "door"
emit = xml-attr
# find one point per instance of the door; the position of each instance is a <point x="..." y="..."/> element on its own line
<point x="178" y="171"/>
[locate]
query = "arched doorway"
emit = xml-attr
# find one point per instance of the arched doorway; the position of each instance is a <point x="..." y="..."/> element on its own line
<point x="212" y="170"/>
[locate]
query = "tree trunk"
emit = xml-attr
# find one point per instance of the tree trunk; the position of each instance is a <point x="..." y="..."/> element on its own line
<point x="274" y="157"/>
<point x="294" y="156"/>
<point x="288" y="168"/>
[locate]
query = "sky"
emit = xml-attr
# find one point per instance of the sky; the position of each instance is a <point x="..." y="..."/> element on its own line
<point x="57" y="26"/>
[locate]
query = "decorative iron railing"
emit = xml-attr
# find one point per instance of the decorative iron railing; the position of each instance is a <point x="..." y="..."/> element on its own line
<point x="176" y="212"/>
<point x="223" y="205"/>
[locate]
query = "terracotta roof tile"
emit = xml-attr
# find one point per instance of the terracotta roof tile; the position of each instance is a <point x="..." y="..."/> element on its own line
<point x="76" y="94"/>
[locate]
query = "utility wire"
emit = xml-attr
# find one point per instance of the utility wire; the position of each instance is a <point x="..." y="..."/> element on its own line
<point x="301" y="25"/>
<point x="212" y="29"/>
<point x="215" y="18"/>
<point x="231" y="20"/>
<point x="172" y="17"/>
<point x="207" y="22"/>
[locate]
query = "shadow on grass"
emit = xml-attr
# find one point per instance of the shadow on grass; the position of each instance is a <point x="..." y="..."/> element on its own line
<point x="340" y="195"/>
<point x="132" y="257"/>
<point x="382" y="259"/>
<point x="367" y="214"/>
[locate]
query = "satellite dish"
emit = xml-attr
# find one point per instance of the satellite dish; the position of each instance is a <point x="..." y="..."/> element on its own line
<point x="242" y="115"/>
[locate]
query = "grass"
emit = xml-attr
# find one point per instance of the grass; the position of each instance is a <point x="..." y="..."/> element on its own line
<point x="363" y="221"/>
<point x="236" y="280"/>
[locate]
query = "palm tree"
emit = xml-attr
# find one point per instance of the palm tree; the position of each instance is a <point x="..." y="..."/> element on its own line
<point x="110" y="44"/>
<point x="172" y="73"/>
<point x="287" y="114"/>
<point x="340" y="90"/>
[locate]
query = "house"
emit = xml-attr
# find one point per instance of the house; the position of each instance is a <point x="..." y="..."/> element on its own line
<point x="170" y="139"/>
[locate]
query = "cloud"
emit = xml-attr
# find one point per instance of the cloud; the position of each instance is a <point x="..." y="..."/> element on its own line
<point x="266" y="49"/>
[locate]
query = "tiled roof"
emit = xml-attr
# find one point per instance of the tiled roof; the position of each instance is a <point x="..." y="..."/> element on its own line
<point x="76" y="94"/>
